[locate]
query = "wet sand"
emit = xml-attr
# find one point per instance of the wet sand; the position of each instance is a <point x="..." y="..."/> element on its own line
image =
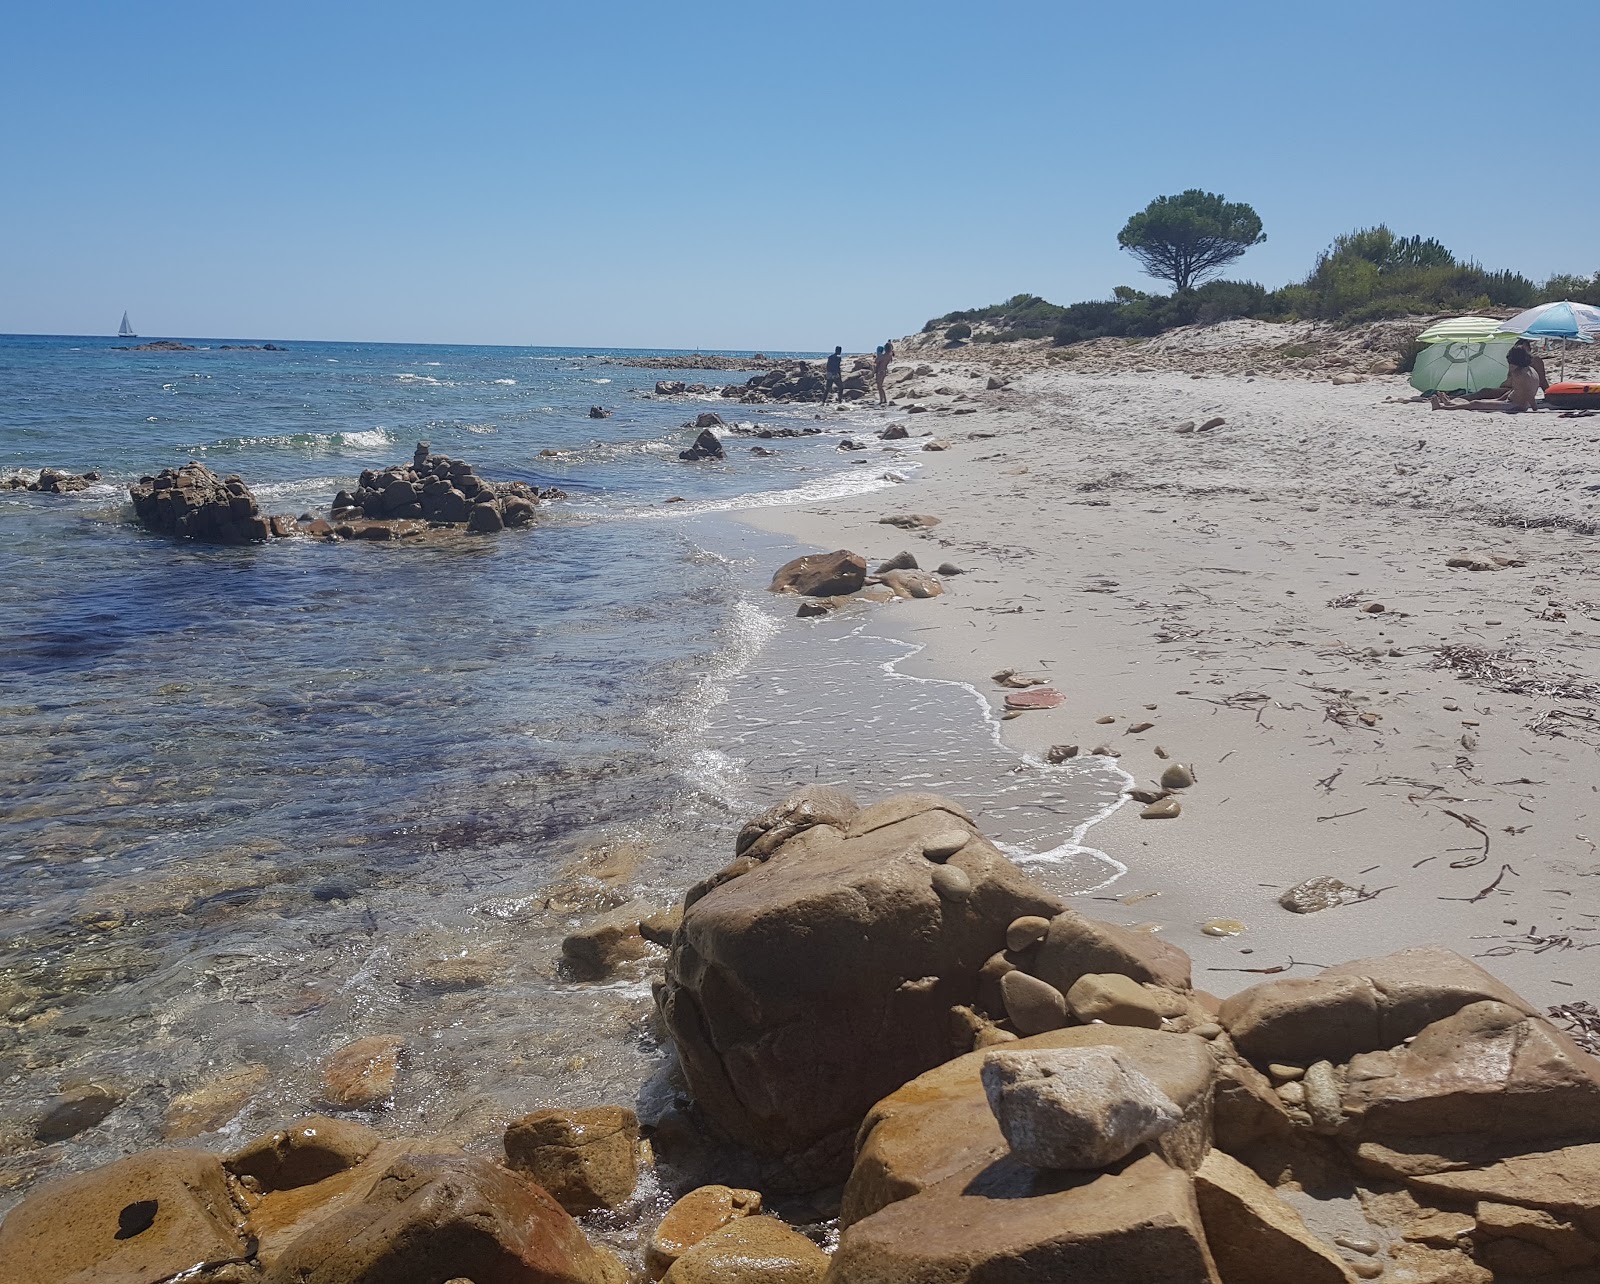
<point x="1441" y="756"/>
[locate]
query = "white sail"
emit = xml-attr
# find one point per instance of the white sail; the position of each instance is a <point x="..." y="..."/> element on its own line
<point x="126" y="331"/>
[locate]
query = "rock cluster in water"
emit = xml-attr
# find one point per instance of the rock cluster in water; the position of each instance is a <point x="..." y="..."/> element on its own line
<point x="193" y="502"/>
<point x="1009" y="1091"/>
<point x="50" y="481"/>
<point x="441" y="491"/>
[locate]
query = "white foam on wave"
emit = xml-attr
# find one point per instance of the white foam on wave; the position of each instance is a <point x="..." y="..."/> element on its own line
<point x="597" y="381"/>
<point x="746" y="634"/>
<point x="363" y="439"/>
<point x="366" y="438"/>
<point x="823" y="488"/>
<point x="408" y="377"/>
<point x="303" y="485"/>
<point x="510" y="383"/>
<point x="1072" y="848"/>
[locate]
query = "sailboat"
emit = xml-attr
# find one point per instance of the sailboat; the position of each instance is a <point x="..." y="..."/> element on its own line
<point x="125" y="331"/>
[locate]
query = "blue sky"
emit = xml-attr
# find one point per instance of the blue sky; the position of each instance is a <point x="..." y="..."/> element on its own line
<point x="717" y="175"/>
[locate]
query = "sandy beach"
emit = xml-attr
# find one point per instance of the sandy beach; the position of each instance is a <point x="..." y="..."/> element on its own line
<point x="1275" y="597"/>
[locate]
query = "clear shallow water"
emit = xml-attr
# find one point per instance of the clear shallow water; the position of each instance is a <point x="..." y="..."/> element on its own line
<point x="257" y="802"/>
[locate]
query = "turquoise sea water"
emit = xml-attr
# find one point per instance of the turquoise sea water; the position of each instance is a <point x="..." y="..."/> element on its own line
<point x="257" y="802"/>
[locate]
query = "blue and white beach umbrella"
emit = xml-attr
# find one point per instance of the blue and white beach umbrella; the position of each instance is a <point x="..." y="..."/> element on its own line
<point x="1557" y="321"/>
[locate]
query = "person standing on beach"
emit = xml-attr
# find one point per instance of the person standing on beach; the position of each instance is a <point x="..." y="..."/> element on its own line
<point x="880" y="370"/>
<point x="835" y="376"/>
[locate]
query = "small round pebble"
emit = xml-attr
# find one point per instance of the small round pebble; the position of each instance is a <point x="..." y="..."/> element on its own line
<point x="951" y="883"/>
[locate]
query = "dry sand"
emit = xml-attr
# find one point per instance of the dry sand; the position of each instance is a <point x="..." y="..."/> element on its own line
<point x="1442" y="754"/>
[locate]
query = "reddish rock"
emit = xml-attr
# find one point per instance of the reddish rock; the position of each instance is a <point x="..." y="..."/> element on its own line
<point x="154" y="1216"/>
<point x="1035" y="698"/>
<point x="362" y="1073"/>
<point x="821" y="574"/>
<point x="439" y="1217"/>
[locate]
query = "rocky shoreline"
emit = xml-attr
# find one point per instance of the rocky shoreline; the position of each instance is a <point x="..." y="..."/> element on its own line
<point x="434" y="496"/>
<point x="873" y="1008"/>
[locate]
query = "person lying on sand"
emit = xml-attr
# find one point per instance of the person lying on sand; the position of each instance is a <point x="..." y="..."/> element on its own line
<point x="1523" y="392"/>
<point x="1504" y="390"/>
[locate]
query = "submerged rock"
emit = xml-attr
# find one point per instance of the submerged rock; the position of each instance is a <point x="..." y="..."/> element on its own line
<point x="362" y="1073"/>
<point x="50" y="481"/>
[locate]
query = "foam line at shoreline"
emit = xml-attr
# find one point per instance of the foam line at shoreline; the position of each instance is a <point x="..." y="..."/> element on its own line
<point x="1073" y="845"/>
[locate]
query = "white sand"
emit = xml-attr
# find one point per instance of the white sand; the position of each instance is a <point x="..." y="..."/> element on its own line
<point x="1194" y="573"/>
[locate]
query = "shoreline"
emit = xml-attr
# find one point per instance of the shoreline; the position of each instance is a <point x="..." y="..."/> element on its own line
<point x="1149" y="567"/>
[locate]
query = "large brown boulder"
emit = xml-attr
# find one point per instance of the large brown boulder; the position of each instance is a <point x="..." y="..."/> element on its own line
<point x="1360" y="1006"/>
<point x="433" y="1217"/>
<point x="1489" y="1070"/>
<point x="150" y="1217"/>
<point x="1004" y="1223"/>
<point x="941" y="1123"/>
<point x="821" y="574"/>
<point x="809" y="985"/>
<point x="192" y="502"/>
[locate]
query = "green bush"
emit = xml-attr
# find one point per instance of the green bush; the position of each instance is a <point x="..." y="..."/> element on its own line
<point x="956" y="333"/>
<point x="1366" y="275"/>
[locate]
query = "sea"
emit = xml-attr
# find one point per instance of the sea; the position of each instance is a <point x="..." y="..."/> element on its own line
<point x="256" y="803"/>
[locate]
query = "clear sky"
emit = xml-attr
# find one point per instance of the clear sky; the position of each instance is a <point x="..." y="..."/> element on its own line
<point x="762" y="175"/>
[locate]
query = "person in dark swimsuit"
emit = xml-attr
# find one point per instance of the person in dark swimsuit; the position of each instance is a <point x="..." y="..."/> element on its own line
<point x="835" y="377"/>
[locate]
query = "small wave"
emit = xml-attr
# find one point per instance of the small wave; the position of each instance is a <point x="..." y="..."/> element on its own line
<point x="364" y="439"/>
<point x="823" y="488"/>
<point x="597" y="381"/>
<point x="408" y="377"/>
<point x="323" y="486"/>
<point x="510" y="383"/>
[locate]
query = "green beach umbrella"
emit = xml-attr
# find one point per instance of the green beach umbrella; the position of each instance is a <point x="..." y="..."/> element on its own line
<point x="1462" y="365"/>
<point x="1462" y="329"/>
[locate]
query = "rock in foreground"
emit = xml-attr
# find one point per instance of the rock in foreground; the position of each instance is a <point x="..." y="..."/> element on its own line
<point x="192" y="502"/>
<point x="319" y="1203"/>
<point x="820" y="972"/>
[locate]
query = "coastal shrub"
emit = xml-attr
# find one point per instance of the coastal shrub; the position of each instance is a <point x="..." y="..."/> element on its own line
<point x="1369" y="274"/>
<point x="958" y="332"/>
<point x="1023" y="316"/>
<point x="1573" y="288"/>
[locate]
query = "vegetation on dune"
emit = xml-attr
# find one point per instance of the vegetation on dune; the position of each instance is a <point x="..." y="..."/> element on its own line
<point x="1366" y="275"/>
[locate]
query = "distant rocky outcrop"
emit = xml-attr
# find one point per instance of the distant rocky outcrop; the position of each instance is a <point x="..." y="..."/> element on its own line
<point x="442" y="492"/>
<point x="193" y="502"/>
<point x="801" y="381"/>
<point x="50" y="481"/>
<point x="160" y="345"/>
